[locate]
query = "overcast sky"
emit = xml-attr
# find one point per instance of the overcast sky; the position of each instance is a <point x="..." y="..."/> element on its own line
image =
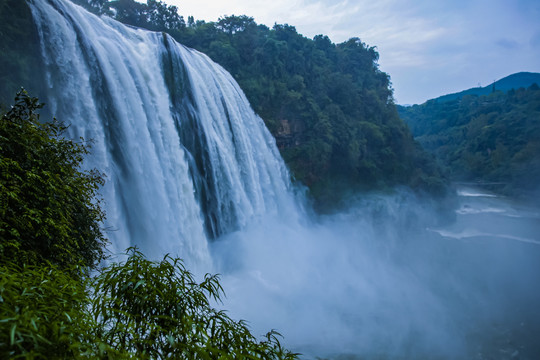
<point x="429" y="47"/>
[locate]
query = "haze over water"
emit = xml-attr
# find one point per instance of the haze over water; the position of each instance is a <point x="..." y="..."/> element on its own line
<point x="383" y="280"/>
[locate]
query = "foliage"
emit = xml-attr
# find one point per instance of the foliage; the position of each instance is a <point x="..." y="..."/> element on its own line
<point x="139" y="309"/>
<point x="329" y="106"/>
<point x="493" y="138"/>
<point x="336" y="102"/>
<point x="154" y="15"/>
<point x="157" y="310"/>
<point x="513" y="81"/>
<point x="48" y="206"/>
<point x="42" y="313"/>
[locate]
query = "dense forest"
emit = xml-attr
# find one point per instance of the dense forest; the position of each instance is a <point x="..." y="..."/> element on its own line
<point x="328" y="105"/>
<point x="492" y="138"/>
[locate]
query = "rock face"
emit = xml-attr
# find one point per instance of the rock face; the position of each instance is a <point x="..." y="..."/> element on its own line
<point x="289" y="134"/>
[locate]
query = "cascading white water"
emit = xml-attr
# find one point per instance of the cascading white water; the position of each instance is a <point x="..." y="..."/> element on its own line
<point x="184" y="154"/>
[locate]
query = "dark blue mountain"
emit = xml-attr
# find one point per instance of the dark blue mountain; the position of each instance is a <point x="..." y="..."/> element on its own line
<point x="514" y="81"/>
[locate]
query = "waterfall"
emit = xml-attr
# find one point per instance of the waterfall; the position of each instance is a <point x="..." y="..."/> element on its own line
<point x="185" y="157"/>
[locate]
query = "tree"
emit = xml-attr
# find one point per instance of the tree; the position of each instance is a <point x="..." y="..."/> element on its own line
<point x="493" y="138"/>
<point x="49" y="207"/>
<point x="156" y="310"/>
<point x="43" y="314"/>
<point x="233" y="24"/>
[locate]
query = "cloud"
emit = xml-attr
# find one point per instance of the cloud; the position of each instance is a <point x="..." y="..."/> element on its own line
<point x="452" y="45"/>
<point x="507" y="44"/>
<point x="535" y="40"/>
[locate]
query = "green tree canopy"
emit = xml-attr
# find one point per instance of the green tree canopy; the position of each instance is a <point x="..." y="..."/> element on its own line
<point x="137" y="309"/>
<point x="156" y="310"/>
<point x="43" y="314"/>
<point x="49" y="209"/>
<point x="491" y="138"/>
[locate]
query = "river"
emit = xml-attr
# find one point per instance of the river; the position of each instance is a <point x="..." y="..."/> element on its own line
<point x="382" y="281"/>
<point x="503" y="238"/>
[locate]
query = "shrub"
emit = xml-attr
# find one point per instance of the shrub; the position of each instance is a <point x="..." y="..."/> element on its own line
<point x="49" y="210"/>
<point x="157" y="310"/>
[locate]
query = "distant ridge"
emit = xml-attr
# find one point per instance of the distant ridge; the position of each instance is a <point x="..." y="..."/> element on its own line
<point x="483" y="136"/>
<point x="514" y="81"/>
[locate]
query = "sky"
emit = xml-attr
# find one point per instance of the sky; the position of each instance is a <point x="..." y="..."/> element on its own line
<point x="428" y="47"/>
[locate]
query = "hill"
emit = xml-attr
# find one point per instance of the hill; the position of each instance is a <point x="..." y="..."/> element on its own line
<point x="514" y="81"/>
<point x="491" y="138"/>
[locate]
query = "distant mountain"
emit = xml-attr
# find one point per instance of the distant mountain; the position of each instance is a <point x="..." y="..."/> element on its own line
<point x="514" y="81"/>
<point x="493" y="138"/>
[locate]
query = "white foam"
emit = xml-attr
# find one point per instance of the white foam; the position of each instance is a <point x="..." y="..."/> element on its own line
<point x="471" y="233"/>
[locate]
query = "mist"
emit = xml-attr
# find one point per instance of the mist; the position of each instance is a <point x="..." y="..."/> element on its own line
<point x="390" y="277"/>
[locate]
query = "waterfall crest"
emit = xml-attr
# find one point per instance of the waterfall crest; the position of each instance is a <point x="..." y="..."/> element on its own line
<point x="185" y="157"/>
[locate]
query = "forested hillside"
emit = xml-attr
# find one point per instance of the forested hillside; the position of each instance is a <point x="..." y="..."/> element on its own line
<point x="328" y="105"/>
<point x="494" y="138"/>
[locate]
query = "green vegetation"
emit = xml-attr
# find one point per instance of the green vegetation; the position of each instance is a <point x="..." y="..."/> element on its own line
<point x="43" y="313"/>
<point x="156" y="310"/>
<point x="514" y="81"/>
<point x="139" y="309"/>
<point x="50" y="239"/>
<point x="329" y="106"/>
<point x="493" y="138"/>
<point x="48" y="207"/>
